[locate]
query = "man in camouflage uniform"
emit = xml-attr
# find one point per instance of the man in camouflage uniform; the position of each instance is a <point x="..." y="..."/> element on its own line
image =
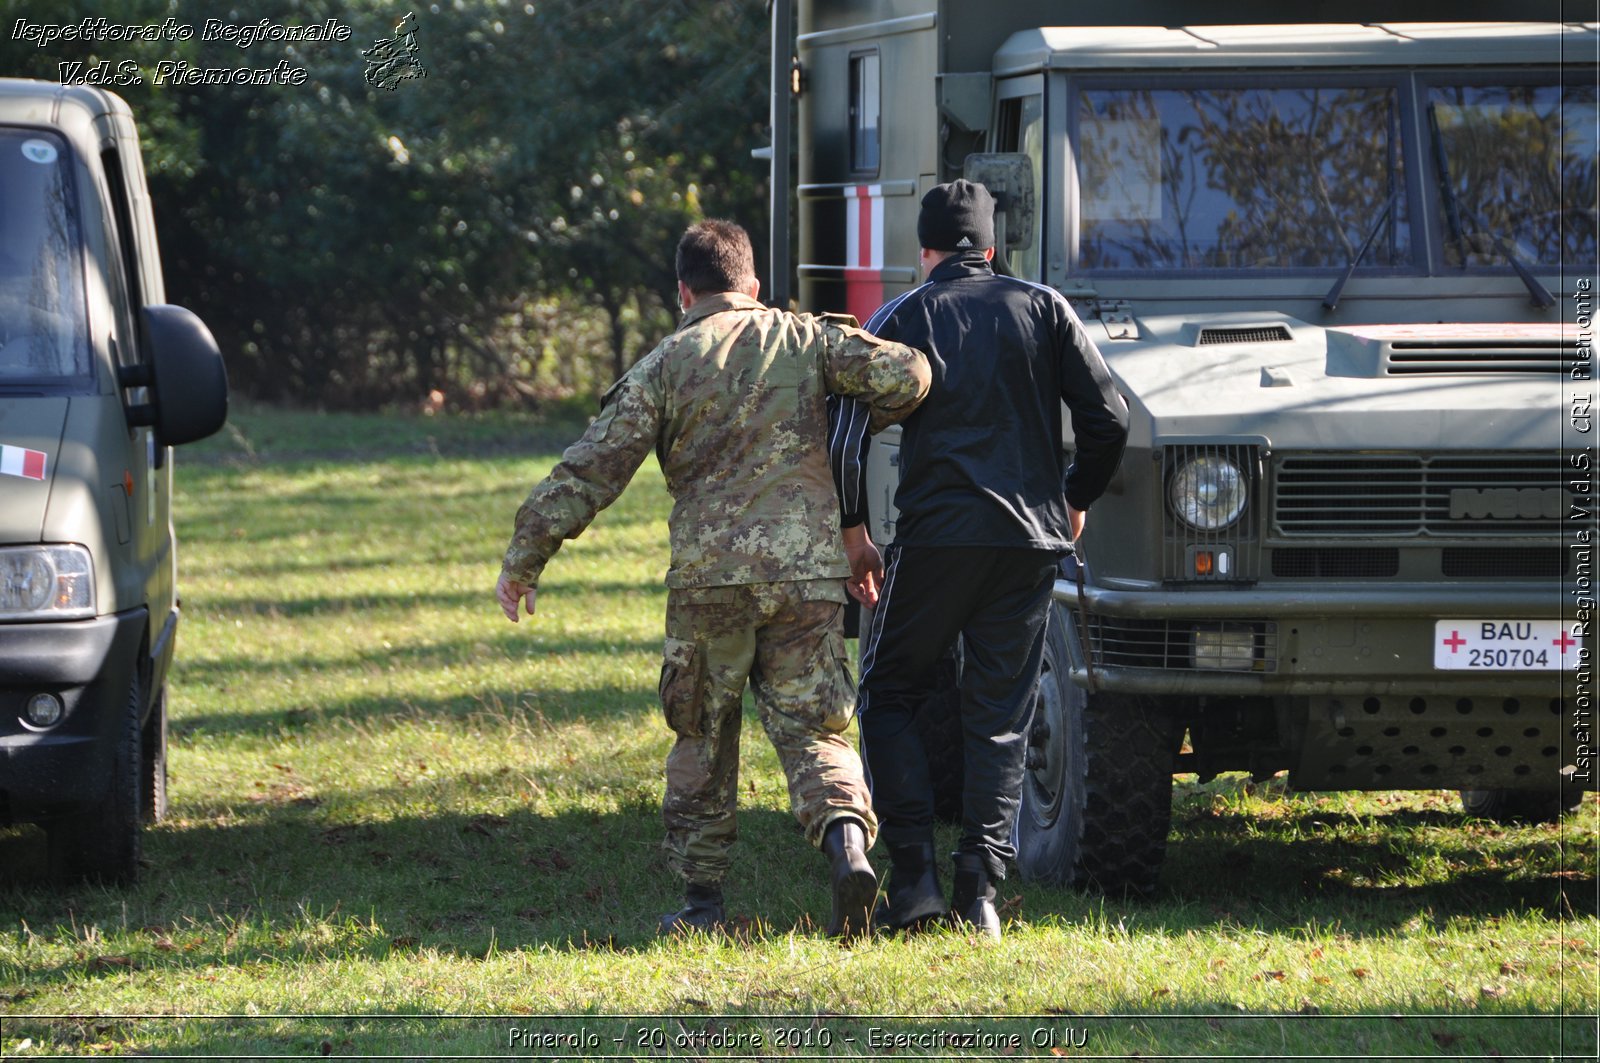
<point x="733" y="405"/>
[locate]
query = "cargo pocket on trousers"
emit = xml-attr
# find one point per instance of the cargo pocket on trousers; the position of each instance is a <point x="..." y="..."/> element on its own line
<point x="682" y="686"/>
<point x="840" y="705"/>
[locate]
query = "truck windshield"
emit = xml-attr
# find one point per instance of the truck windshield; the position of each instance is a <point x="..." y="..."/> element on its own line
<point x="42" y="327"/>
<point x="1252" y="177"/>
<point x="1517" y="165"/>
<point x="1198" y="176"/>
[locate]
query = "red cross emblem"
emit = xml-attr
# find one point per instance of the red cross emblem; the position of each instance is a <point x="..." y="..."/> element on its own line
<point x="1455" y="642"/>
<point x="1565" y="642"/>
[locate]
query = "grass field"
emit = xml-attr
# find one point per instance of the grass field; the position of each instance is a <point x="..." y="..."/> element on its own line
<point x="403" y="827"/>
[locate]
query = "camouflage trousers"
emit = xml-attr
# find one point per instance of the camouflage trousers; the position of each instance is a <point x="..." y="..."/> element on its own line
<point x="787" y="640"/>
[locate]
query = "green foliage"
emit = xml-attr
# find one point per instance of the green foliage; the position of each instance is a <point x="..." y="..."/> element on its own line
<point x="395" y="817"/>
<point x="350" y="244"/>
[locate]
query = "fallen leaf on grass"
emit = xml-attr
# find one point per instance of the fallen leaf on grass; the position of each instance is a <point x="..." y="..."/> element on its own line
<point x="551" y="860"/>
<point x="102" y="963"/>
<point x="1360" y="972"/>
<point x="345" y="832"/>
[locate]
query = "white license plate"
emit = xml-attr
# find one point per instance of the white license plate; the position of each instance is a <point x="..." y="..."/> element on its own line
<point x="1505" y="645"/>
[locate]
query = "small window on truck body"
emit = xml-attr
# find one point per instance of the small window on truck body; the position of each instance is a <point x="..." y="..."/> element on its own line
<point x="866" y="110"/>
<point x="1020" y="128"/>
<point x="1227" y="173"/>
<point x="43" y="317"/>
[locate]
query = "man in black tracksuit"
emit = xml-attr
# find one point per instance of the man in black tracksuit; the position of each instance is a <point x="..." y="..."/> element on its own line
<point x="986" y="511"/>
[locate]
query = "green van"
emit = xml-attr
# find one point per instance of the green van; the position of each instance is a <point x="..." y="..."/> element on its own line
<point x="99" y="378"/>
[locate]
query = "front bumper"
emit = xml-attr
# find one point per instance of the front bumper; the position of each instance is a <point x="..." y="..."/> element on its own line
<point x="1362" y="640"/>
<point x="91" y="666"/>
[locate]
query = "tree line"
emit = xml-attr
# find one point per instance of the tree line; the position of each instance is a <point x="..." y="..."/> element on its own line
<point x="496" y="227"/>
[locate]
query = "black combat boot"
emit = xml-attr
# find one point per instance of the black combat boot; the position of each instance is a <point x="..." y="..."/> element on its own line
<point x="914" y="895"/>
<point x="702" y="911"/>
<point x="972" y="896"/>
<point x="854" y="884"/>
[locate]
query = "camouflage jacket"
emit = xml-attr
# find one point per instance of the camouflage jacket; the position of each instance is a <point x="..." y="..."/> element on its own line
<point x="733" y="403"/>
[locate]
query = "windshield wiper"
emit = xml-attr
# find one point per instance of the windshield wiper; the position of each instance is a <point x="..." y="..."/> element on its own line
<point x="1331" y="300"/>
<point x="1476" y="242"/>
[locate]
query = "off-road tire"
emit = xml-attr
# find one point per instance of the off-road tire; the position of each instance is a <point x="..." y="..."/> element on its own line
<point x="1522" y="806"/>
<point x="1097" y="795"/>
<point x="104" y="841"/>
<point x="153" y="758"/>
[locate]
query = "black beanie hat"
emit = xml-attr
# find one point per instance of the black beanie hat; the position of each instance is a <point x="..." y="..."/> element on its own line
<point x="958" y="216"/>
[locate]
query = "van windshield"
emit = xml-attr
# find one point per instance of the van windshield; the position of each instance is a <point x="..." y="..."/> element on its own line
<point x="43" y="337"/>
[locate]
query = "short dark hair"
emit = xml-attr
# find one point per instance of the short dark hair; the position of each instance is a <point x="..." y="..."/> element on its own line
<point x="715" y="256"/>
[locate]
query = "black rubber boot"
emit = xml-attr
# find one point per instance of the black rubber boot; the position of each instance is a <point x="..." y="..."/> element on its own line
<point x="972" y="897"/>
<point x="702" y="911"/>
<point x="914" y="895"/>
<point x="854" y="884"/>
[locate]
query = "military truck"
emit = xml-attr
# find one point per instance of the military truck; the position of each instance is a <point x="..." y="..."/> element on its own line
<point x="1343" y="273"/>
<point x="99" y="378"/>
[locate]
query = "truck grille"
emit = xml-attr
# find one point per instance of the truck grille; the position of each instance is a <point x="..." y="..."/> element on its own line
<point x="1336" y="562"/>
<point x="1219" y="646"/>
<point x="1502" y="356"/>
<point x="1257" y="334"/>
<point x="1521" y="562"/>
<point x="1415" y="496"/>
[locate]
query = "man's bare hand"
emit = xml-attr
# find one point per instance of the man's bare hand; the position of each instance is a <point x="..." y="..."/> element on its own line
<point x="1075" y="521"/>
<point x="512" y="594"/>
<point x="866" y="565"/>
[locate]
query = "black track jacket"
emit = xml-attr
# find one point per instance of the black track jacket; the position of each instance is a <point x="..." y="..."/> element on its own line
<point x="981" y="458"/>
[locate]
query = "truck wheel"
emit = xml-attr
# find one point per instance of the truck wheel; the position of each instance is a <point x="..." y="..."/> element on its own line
<point x="1522" y="806"/>
<point x="153" y="756"/>
<point x="939" y="722"/>
<point x="103" y="842"/>
<point x="1097" y="794"/>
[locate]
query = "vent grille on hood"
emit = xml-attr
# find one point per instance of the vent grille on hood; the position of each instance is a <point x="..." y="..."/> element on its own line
<point x="1554" y="355"/>
<point x="1256" y="334"/>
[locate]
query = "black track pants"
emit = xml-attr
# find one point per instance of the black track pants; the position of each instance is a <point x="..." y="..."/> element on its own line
<point x="997" y="600"/>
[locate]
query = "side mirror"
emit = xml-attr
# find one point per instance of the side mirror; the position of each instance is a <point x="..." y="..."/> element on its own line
<point x="184" y="372"/>
<point x="1009" y="178"/>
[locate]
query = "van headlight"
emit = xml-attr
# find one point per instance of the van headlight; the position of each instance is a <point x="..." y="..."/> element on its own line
<point x="1208" y="492"/>
<point x="46" y="583"/>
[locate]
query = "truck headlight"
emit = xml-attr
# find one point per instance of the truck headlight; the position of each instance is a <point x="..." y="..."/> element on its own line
<point x="46" y="583"/>
<point x="1208" y="493"/>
